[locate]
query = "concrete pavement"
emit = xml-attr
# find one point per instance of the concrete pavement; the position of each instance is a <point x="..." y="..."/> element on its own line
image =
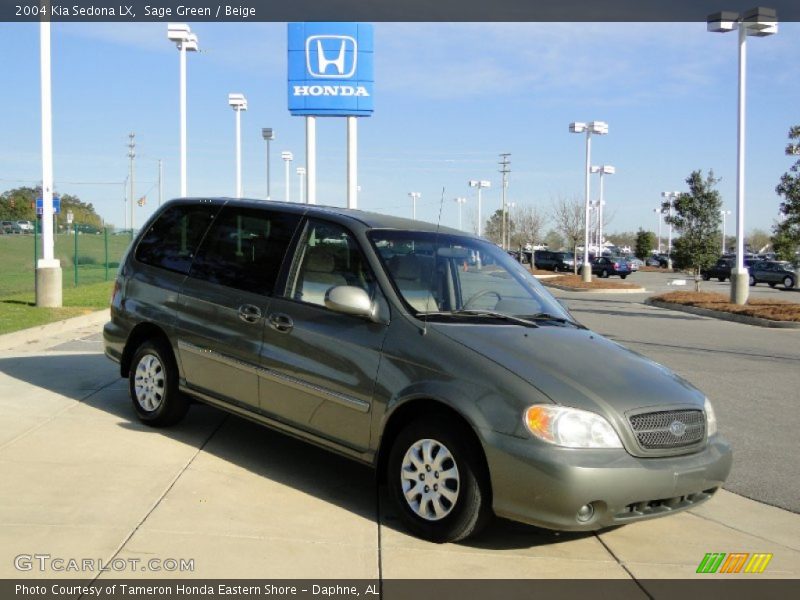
<point x="82" y="478"/>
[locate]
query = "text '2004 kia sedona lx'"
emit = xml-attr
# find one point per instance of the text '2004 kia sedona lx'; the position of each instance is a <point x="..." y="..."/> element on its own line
<point x="422" y="351"/>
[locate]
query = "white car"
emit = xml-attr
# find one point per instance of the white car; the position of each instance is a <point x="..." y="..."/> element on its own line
<point x="25" y="226"/>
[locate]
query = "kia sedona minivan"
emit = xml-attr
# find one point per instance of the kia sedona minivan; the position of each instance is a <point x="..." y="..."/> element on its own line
<point x="422" y="351"/>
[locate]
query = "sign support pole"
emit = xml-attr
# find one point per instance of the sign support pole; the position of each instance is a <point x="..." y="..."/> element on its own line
<point x="352" y="162"/>
<point x="311" y="160"/>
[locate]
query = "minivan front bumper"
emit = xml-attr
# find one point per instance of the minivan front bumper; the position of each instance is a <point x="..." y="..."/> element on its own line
<point x="546" y="486"/>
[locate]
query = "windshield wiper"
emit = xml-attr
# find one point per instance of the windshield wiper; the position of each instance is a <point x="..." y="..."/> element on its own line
<point x="543" y="316"/>
<point x="482" y="313"/>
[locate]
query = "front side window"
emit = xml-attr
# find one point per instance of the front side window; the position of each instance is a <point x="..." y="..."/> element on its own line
<point x="447" y="276"/>
<point x="172" y="240"/>
<point x="329" y="256"/>
<point x="244" y="249"/>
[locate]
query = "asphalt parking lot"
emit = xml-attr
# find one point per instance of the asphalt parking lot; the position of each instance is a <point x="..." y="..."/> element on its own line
<point x="82" y="477"/>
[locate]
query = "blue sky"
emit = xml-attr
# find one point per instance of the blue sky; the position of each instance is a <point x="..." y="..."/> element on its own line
<point x="449" y="98"/>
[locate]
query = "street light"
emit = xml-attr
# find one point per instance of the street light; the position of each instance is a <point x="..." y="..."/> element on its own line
<point x="480" y="184"/>
<point x="238" y="103"/>
<point x="758" y="22"/>
<point x="186" y="42"/>
<point x="724" y="214"/>
<point x="603" y="170"/>
<point x="460" y="202"/>
<point x="414" y="197"/>
<point x="659" y="212"/>
<point x="287" y="157"/>
<point x="509" y="207"/>
<point x="268" y="136"/>
<point x="301" y="175"/>
<point x="668" y="198"/>
<point x="599" y="128"/>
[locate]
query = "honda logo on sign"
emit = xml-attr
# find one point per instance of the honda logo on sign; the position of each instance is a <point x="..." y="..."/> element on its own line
<point x="337" y="51"/>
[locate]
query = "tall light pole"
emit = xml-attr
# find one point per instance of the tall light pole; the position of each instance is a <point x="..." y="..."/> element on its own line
<point x="268" y="136"/>
<point x="414" y="197"/>
<point x="659" y="212"/>
<point x="603" y="170"/>
<point x="724" y="214"/>
<point x="460" y="201"/>
<point x="758" y="22"/>
<point x="238" y="103"/>
<point x="287" y="157"/>
<point x="599" y="128"/>
<point x="509" y="207"/>
<point x="480" y="184"/>
<point x="48" y="268"/>
<point x="186" y="42"/>
<point x="505" y="169"/>
<point x="301" y="175"/>
<point x="669" y="198"/>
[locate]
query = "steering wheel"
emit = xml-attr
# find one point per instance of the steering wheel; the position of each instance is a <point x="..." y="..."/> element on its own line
<point x="480" y="295"/>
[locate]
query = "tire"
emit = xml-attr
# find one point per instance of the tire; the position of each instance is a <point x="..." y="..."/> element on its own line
<point x="752" y="281"/>
<point x="153" y="385"/>
<point x="467" y="507"/>
<point x="622" y="276"/>
<point x="788" y="283"/>
<point x="706" y="277"/>
<point x="771" y="284"/>
<point x="722" y="279"/>
<point x="604" y="273"/>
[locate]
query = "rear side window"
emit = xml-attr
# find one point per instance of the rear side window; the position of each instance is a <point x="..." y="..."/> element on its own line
<point x="172" y="240"/>
<point x="244" y="249"/>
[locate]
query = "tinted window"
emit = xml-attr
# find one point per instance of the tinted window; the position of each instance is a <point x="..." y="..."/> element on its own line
<point x="329" y="256"/>
<point x="244" y="249"/>
<point x="171" y="241"/>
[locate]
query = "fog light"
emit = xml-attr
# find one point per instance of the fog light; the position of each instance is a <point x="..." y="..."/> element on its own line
<point x="585" y="513"/>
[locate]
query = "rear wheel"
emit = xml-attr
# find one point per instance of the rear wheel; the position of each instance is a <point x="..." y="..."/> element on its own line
<point x="788" y="283"/>
<point x="752" y="280"/>
<point x="438" y="481"/>
<point x="604" y="273"/>
<point x="153" y="383"/>
<point x="771" y="284"/>
<point x="622" y="276"/>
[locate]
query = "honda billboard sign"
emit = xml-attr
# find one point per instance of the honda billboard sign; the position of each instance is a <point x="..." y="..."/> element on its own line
<point x="331" y="69"/>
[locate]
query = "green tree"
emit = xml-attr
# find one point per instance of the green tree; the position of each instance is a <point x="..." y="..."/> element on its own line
<point x="493" y="228"/>
<point x="696" y="217"/>
<point x="786" y="233"/>
<point x="645" y="242"/>
<point x="554" y="240"/>
<point x="20" y="203"/>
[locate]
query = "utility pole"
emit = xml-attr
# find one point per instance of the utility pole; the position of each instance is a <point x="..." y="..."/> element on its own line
<point x="131" y="155"/>
<point x="505" y="163"/>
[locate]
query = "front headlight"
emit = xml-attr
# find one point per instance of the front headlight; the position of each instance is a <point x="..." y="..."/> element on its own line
<point x="711" y="418"/>
<point x="570" y="427"/>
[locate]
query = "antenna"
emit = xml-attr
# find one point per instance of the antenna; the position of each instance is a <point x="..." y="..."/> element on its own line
<point x="435" y="249"/>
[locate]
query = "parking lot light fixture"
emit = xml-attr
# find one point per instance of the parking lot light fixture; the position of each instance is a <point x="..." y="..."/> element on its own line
<point x="268" y="134"/>
<point x="414" y="197"/>
<point x="460" y="201"/>
<point x="669" y="198"/>
<point x="757" y="22"/>
<point x="659" y="213"/>
<point x="724" y="214"/>
<point x="603" y="170"/>
<point x="479" y="184"/>
<point x="596" y="128"/>
<point x="238" y="103"/>
<point x="186" y="41"/>
<point x="287" y="158"/>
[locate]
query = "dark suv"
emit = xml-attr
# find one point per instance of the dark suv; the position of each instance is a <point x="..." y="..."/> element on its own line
<point x="774" y="273"/>
<point x="548" y="260"/>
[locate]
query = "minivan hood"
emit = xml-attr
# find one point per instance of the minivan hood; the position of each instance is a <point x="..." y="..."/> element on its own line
<point x="576" y="367"/>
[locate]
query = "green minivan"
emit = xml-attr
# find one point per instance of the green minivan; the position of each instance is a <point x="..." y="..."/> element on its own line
<point x="425" y="352"/>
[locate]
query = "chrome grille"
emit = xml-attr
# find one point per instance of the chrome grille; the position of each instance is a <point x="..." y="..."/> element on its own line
<point x="669" y="429"/>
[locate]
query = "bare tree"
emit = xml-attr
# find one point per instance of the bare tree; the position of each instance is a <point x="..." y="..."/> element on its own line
<point x="528" y="224"/>
<point x="568" y="218"/>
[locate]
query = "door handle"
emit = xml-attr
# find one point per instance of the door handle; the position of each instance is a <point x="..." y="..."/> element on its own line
<point x="249" y="313"/>
<point x="280" y="322"/>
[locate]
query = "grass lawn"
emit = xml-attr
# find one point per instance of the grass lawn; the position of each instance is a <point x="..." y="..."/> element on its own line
<point x="776" y="310"/>
<point x="19" y="311"/>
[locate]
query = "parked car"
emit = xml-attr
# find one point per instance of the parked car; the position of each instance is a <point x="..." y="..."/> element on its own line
<point x="547" y="260"/>
<point x="634" y="263"/>
<point x="774" y="273"/>
<point x="652" y="261"/>
<point x="519" y="256"/>
<point x="9" y="227"/>
<point x="603" y="266"/>
<point x="380" y="339"/>
<point x="721" y="270"/>
<point x="25" y="226"/>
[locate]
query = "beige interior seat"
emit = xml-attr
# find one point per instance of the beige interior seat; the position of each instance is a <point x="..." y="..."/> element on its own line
<point x="318" y="276"/>
<point x="408" y="276"/>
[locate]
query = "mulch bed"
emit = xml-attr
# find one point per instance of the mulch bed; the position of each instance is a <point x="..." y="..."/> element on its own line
<point x="775" y="310"/>
<point x="575" y="281"/>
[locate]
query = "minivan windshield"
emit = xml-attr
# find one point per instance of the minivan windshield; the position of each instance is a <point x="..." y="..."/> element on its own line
<point x="450" y="276"/>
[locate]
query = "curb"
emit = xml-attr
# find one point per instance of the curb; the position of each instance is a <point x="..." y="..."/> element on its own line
<point x="723" y="316"/>
<point x="33" y="334"/>
<point x="596" y="291"/>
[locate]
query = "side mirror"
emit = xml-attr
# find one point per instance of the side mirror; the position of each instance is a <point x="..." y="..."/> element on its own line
<point x="350" y="300"/>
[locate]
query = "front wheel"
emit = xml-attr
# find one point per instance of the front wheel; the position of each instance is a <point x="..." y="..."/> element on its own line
<point x="604" y="274"/>
<point x="438" y="481"/>
<point x="706" y="277"/>
<point x="788" y="283"/>
<point x="752" y="280"/>
<point x="153" y="383"/>
<point x="722" y="279"/>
